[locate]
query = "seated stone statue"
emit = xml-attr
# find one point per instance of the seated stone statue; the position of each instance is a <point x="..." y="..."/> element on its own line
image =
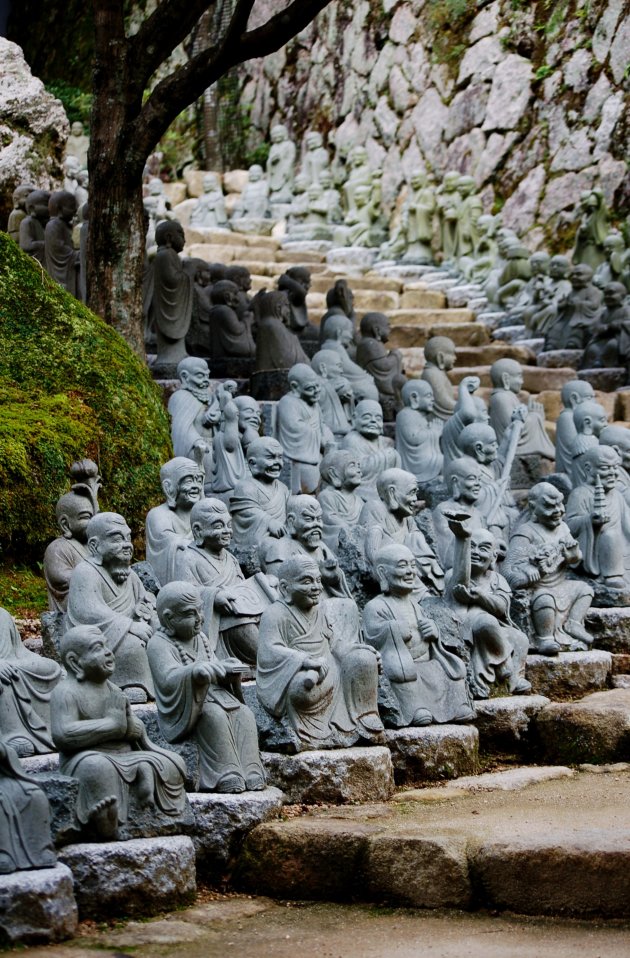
<point x="315" y="159"/>
<point x="514" y="276"/>
<point x="559" y="271"/>
<point x="18" y="213"/>
<point x="25" y="840"/>
<point x="468" y="409"/>
<point x="390" y="520"/>
<point x="572" y="394"/>
<point x="168" y="529"/>
<point x="195" y="414"/>
<point x="427" y="680"/>
<point x="252" y="212"/>
<point x="418" y="432"/>
<point x="619" y="438"/>
<point x="232" y="605"/>
<point x="305" y="537"/>
<point x="33" y="226"/>
<point x="542" y="311"/>
<point x="383" y="365"/>
<point x="242" y="279"/>
<point x="249" y="419"/>
<point x="609" y="341"/>
<point x="579" y="313"/>
<point x="296" y="282"/>
<point x="331" y="196"/>
<point x="277" y="347"/>
<point x="300" y="428"/>
<point x="63" y="554"/>
<point x="599" y="518"/>
<point x="197" y="695"/>
<point x="336" y="398"/>
<point x="230" y="334"/>
<point x="463" y="481"/>
<point x="338" y="336"/>
<point x="439" y="355"/>
<point x="339" y="302"/>
<point x="589" y="418"/>
<point x="541" y="552"/>
<point x="26" y="683"/>
<point x="229" y="459"/>
<point x="209" y="210"/>
<point x="172" y="302"/>
<point x="480" y="599"/>
<point x="281" y="165"/>
<point x="611" y="270"/>
<point x="102" y="743"/>
<point x="106" y="593"/>
<point x="60" y="257"/>
<point x="341" y="506"/>
<point x="322" y="685"/>
<point x="538" y="266"/>
<point x="507" y="381"/>
<point x="366" y="440"/>
<point x="258" y="504"/>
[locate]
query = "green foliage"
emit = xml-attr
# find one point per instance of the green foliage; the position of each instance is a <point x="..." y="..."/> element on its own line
<point x="70" y="386"/>
<point x="448" y="22"/>
<point x="22" y="591"/>
<point x="543" y="71"/>
<point x="76" y="102"/>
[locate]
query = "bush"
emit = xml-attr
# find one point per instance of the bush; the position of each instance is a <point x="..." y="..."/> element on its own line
<point x="70" y="387"/>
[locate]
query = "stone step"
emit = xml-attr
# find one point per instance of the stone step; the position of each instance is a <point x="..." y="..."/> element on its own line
<point x="433" y="753"/>
<point x="465" y="336"/>
<point x="37" y="907"/>
<point x="569" y="674"/>
<point x="462" y="334"/>
<point x="429" y="316"/>
<point x="421" y="297"/>
<point x="407" y="337"/>
<point x="228" y="238"/>
<point x="334" y="776"/>
<point x="610" y="629"/>
<point x="595" y="730"/>
<point x="505" y="724"/>
<point x="534" y="378"/>
<point x="487" y="354"/>
<point x="498" y="841"/>
<point x="304" y="258"/>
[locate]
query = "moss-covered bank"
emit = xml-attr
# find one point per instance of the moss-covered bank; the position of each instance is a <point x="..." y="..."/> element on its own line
<point x="69" y="387"/>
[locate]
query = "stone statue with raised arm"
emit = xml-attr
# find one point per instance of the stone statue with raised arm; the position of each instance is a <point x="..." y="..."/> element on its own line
<point x="507" y="382"/>
<point x="258" y="504"/>
<point x="462" y="478"/>
<point x="195" y="414"/>
<point x="168" y="529"/>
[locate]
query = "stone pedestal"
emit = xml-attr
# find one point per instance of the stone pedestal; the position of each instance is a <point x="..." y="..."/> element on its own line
<point x="135" y="878"/>
<point x="434" y="752"/>
<point x="594" y="730"/>
<point x="335" y="776"/>
<point x="37" y="906"/>
<point x="569" y="674"/>
<point x="504" y="724"/>
<point x="222" y="823"/>
<point x="610" y="629"/>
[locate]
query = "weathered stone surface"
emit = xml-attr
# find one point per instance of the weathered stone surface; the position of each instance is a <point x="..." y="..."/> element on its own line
<point x="37" y="906"/>
<point x="510" y="93"/>
<point x="555" y="358"/>
<point x="620" y="663"/>
<point x="222" y="823"/>
<point x="504" y="724"/>
<point x="605" y="379"/>
<point x="336" y="775"/>
<point x="596" y="729"/>
<point x="138" y="877"/>
<point x="434" y="752"/>
<point x="422" y="871"/>
<point x="353" y="257"/>
<point x="610" y="629"/>
<point x="559" y="874"/>
<point x="514" y="779"/>
<point x="568" y="674"/>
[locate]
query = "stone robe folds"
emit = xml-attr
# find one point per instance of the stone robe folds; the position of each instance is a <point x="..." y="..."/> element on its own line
<point x="335" y="413"/>
<point x="422" y="673"/>
<point x="222" y="727"/>
<point x="252" y="505"/>
<point x="276" y="346"/>
<point x="95" y="599"/>
<point x="61" y="258"/>
<point x="375" y="455"/>
<point x="533" y="440"/>
<point x="300" y="430"/>
<point x="443" y="395"/>
<point x="25" y="841"/>
<point x="341" y="509"/>
<point x="418" y="445"/>
<point x="363" y="386"/>
<point x="61" y="558"/>
<point x="167" y="535"/>
<point x="383" y="528"/>
<point x="187" y="427"/>
<point x="606" y="548"/>
<point x="109" y="768"/>
<point x="32" y="239"/>
<point x="328" y="715"/>
<point x="25" y="700"/>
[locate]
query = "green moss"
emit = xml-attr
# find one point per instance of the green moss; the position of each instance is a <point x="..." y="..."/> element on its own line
<point x="22" y="591"/>
<point x="70" y="386"/>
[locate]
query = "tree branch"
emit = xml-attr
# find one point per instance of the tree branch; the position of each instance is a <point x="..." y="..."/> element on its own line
<point x="187" y="83"/>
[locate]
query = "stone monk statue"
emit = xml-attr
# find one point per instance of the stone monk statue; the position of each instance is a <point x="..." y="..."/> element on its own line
<point x="64" y="553"/>
<point x="196" y="696"/>
<point x="366" y="440"/>
<point x="418" y="432"/>
<point x="259" y="504"/>
<point x="102" y="743"/>
<point x="60" y="257"/>
<point x="172" y="303"/>
<point x="301" y="430"/>
<point x="168" y="529"/>
<point x="32" y="227"/>
<point x="106" y="593"/>
<point x="25" y="841"/>
<point x="341" y="506"/>
<point x="439" y="354"/>
<point x="320" y="684"/>
<point x="195" y="414"/>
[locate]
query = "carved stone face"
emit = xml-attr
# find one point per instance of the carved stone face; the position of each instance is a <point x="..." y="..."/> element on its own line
<point x="96" y="661"/>
<point x="559" y="267"/>
<point x="608" y="472"/>
<point x="369" y="420"/>
<point x="581" y="276"/>
<point x="400" y="573"/>
<point x="352" y="474"/>
<point x="305" y="589"/>
<point x="186" y="621"/>
<point x="266" y="464"/>
<point x="308" y="525"/>
<point x="213" y="530"/>
<point x="467" y="487"/>
<point x="189" y="490"/>
<point x="514" y="381"/>
<point x="196" y="376"/>
<point x="309" y="389"/>
<point x="482" y="551"/>
<point x="77" y="128"/>
<point x="73" y="522"/>
<point x="486" y="451"/>
<point x="446" y="359"/>
<point x="405" y="496"/>
<point x="249" y="416"/>
<point x="548" y="509"/>
<point x="422" y="399"/>
<point x="114" y="549"/>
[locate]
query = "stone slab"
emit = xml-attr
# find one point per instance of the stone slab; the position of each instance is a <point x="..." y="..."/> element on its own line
<point x="513" y="779"/>
<point x="610" y="629"/>
<point x="333" y="776"/>
<point x="136" y="878"/>
<point x="605" y="379"/>
<point x="417" y="870"/>
<point x="556" y="358"/>
<point x="462" y="334"/>
<point x="569" y="674"/>
<point x="584" y="876"/>
<point x="594" y="730"/>
<point x="433" y="753"/>
<point x="37" y="907"/>
<point x="356" y="257"/>
<point x="504" y="724"/>
<point x="222" y="823"/>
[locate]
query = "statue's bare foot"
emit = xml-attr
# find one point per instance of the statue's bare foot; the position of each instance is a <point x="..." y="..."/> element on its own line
<point x="104" y="817"/>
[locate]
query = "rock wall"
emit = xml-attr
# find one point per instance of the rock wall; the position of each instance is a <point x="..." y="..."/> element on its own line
<point x="531" y="98"/>
<point x="33" y="128"/>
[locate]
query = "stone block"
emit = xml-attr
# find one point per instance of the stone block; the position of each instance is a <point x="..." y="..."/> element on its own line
<point x="551" y="400"/>
<point x="421" y="299"/>
<point x="460" y="372"/>
<point x="583" y="876"/>
<point x="302" y="258"/>
<point x="569" y="674"/>
<point x="404" y="337"/>
<point x="175" y="192"/>
<point x="353" y="257"/>
<point x="433" y="753"/>
<point x="222" y="822"/>
<point x="194" y="181"/>
<point x="429" y="317"/>
<point x="620" y="682"/>
<point x="235" y="181"/>
<point x="504" y="724"/>
<point x="135" y="878"/>
<point x="514" y="779"/>
<point x="37" y="907"/>
<point x="595" y="730"/>
<point x="417" y="870"/>
<point x="211" y="253"/>
<point x="557" y="358"/>
<point x="610" y="629"/>
<point x="375" y="300"/>
<point x="621" y="663"/>
<point x="335" y="776"/>
<point x="622" y="405"/>
<point x="259" y="253"/>
<point x="536" y="378"/>
<point x="413" y="360"/>
<point x="607" y="380"/>
<point x="488" y="354"/>
<point x="462" y="334"/>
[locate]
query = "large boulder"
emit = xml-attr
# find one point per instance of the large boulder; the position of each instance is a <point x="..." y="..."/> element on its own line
<point x="33" y="128"/>
<point x="70" y="387"/>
